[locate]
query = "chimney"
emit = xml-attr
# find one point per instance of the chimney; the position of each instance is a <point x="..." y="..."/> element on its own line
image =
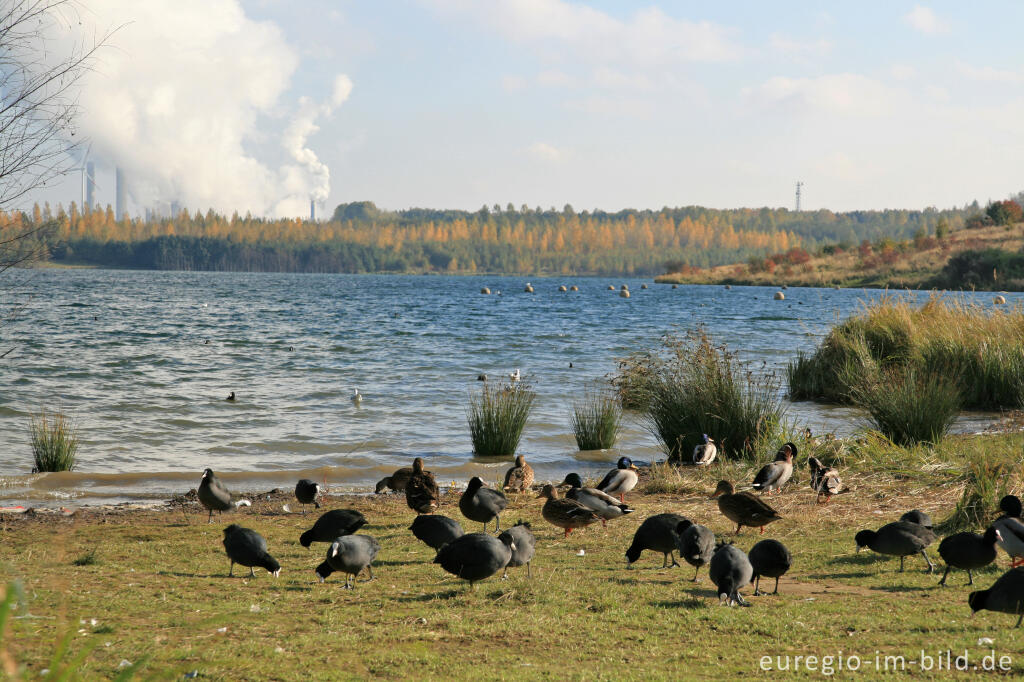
<point x="120" y="209"/>
<point x="312" y="210"/>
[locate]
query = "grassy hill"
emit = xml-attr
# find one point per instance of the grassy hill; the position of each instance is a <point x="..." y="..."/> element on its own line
<point x="987" y="258"/>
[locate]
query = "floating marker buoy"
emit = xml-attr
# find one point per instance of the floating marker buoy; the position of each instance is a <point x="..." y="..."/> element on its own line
<point x="999" y="300"/>
<point x="624" y="293"/>
<point x="574" y="288"/>
<point x="779" y="296"/>
<point x="562" y="288"/>
<point x="528" y="289"/>
<point x="611" y="287"/>
<point x="485" y="290"/>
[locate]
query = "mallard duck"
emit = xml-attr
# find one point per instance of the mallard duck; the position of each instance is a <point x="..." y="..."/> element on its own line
<point x="396" y="481"/>
<point x="743" y="509"/>
<point x="968" y="551"/>
<point x="770" y="559"/>
<point x="480" y="503"/>
<point x="706" y="452"/>
<point x="421" y="492"/>
<point x="606" y="506"/>
<point x="566" y="514"/>
<point x="307" y="492"/>
<point x="215" y="497"/>
<point x="1011" y="529"/>
<point x="899" y="538"/>
<point x="520" y="477"/>
<point x="621" y="479"/>
<point x="776" y="474"/>
<point x="1005" y="596"/>
<point x="824" y="480"/>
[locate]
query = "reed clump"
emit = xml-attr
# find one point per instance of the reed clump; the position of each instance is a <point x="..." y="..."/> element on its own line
<point x="497" y="416"/>
<point x="54" y="441"/>
<point x="987" y="478"/>
<point x="595" y="420"/>
<point x="909" y="406"/>
<point x="979" y="348"/>
<point x="693" y="387"/>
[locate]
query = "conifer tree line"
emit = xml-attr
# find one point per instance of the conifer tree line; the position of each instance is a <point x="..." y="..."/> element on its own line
<point x="359" y="237"/>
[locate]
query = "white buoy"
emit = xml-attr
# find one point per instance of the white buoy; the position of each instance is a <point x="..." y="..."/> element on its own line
<point x="562" y="288"/>
<point x="624" y="293"/>
<point x="485" y="290"/>
<point x="999" y="300"/>
<point x="574" y="288"/>
<point x="779" y="296"/>
<point x="528" y="289"/>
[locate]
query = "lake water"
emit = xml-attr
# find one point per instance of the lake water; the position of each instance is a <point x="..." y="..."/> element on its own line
<point x="142" y="361"/>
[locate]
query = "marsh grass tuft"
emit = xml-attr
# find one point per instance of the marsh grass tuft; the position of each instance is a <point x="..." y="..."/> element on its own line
<point x="497" y="416"/>
<point x="692" y="387"/>
<point x="909" y="407"/>
<point x="54" y="441"/>
<point x="595" y="420"/>
<point x="979" y="348"/>
<point x="986" y="480"/>
<point x="87" y="559"/>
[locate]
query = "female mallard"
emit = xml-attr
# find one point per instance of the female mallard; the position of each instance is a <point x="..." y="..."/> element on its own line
<point x="620" y="480"/>
<point x="776" y="474"/>
<point x="421" y="492"/>
<point x="396" y="481"/>
<point x="824" y="480"/>
<point x="743" y="509"/>
<point x="520" y="477"/>
<point x="705" y="453"/>
<point x="567" y="514"/>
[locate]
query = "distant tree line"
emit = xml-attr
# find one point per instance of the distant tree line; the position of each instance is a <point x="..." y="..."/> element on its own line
<point x="360" y="237"/>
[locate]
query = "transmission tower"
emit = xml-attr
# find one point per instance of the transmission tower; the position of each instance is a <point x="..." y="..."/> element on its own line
<point x="798" y="186"/>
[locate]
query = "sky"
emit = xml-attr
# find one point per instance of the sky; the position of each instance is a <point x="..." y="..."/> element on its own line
<point x="261" y="105"/>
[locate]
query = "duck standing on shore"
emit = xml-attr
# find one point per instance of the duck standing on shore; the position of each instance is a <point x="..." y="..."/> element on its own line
<point x="564" y="513"/>
<point x="519" y="478"/>
<point x="606" y="506"/>
<point x="824" y="480"/>
<point x="621" y="479"/>
<point x="396" y="481"/>
<point x="705" y="453"/>
<point x="421" y="491"/>
<point x="776" y="474"/>
<point x="1011" y="529"/>
<point x="743" y="509"/>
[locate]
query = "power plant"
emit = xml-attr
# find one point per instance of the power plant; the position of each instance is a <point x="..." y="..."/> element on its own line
<point x="120" y="205"/>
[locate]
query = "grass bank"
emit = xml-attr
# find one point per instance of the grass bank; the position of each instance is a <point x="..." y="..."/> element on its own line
<point x="979" y="348"/>
<point x="157" y="585"/>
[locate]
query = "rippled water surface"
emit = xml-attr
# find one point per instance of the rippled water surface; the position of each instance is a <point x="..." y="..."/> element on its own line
<point x="144" y="360"/>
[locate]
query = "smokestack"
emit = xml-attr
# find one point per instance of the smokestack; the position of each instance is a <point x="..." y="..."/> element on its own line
<point x="90" y="184"/>
<point x="312" y="210"/>
<point x="119" y="203"/>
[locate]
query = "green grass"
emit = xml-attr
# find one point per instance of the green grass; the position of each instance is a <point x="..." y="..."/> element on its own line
<point x="162" y="588"/>
<point x="694" y="387"/>
<point x="497" y="416"/>
<point x="54" y="441"/>
<point x="595" y="420"/>
<point x="908" y="407"/>
<point x="980" y="348"/>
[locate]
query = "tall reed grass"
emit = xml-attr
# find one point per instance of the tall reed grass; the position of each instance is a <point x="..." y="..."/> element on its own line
<point x="693" y="387"/>
<point x="988" y="477"/>
<point x="979" y="348"/>
<point x="595" y="420"/>
<point x="54" y="441"/>
<point x="497" y="416"/>
<point x="908" y="406"/>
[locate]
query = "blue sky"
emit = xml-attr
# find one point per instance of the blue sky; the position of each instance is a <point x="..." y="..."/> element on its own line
<point x="456" y="103"/>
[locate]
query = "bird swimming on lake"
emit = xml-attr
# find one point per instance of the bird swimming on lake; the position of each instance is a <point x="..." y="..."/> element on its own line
<point x="248" y="548"/>
<point x="515" y="376"/>
<point x="480" y="503"/>
<point x="396" y="481"/>
<point x="333" y="524"/>
<point x="307" y="492"/>
<point x="476" y="556"/>
<point x="231" y="398"/>
<point x="824" y="480"/>
<point x="215" y="497"/>
<point x="356" y="397"/>
<point x="968" y="551"/>
<point x="900" y="538"/>
<point x="621" y="479"/>
<point x="743" y="509"/>
<point x="350" y="554"/>
<point x="658" y="533"/>
<point x="696" y="544"/>
<point x="565" y="513"/>
<point x="606" y="506"/>
<point x="523" y="543"/>
<point x="520" y="477"/>
<point x="730" y="570"/>
<point x="771" y="559"/>
<point x="421" y="491"/>
<point x="776" y="474"/>
<point x="1005" y="596"/>
<point x="704" y="453"/>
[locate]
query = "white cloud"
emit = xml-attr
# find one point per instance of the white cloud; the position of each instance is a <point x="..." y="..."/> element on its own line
<point x="902" y="72"/>
<point x="788" y="46"/>
<point x="513" y="83"/>
<point x="923" y="19"/>
<point x="989" y="74"/>
<point x="544" y="152"/>
<point x="843" y="93"/>
<point x="649" y="37"/>
<point x="553" y="78"/>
